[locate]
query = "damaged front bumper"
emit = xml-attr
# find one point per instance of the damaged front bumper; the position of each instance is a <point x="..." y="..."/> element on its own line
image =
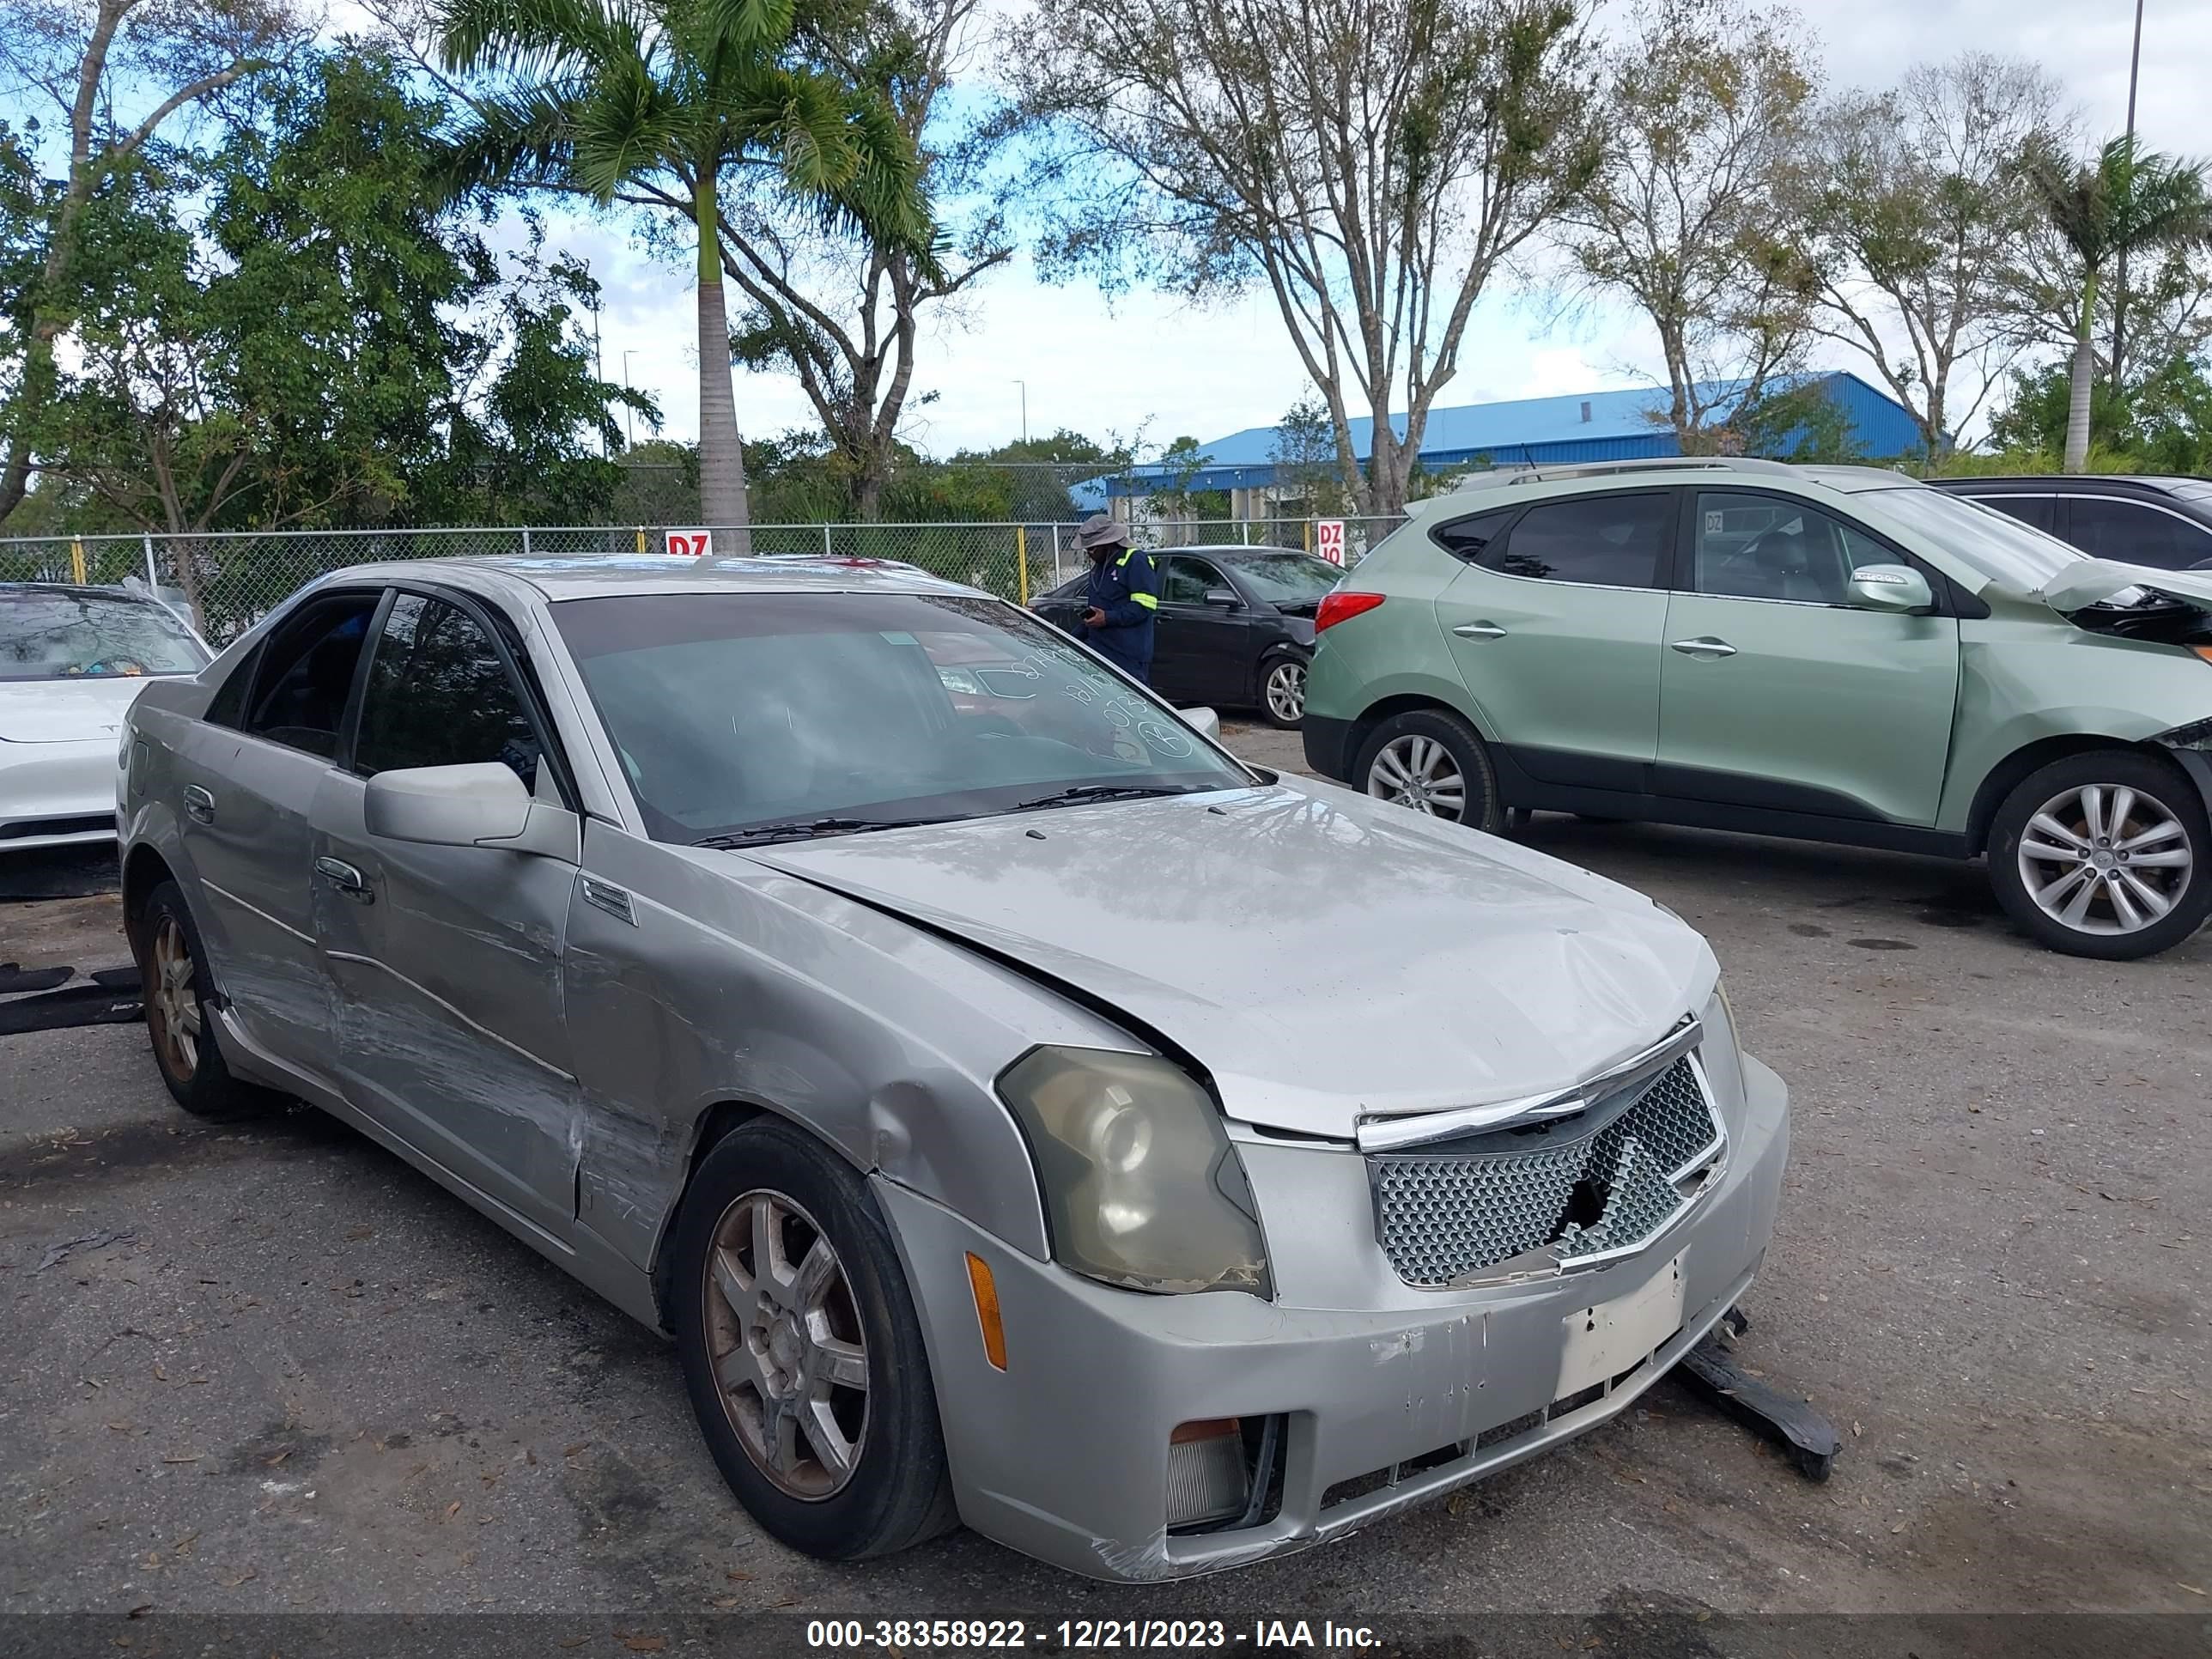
<point x="1380" y="1395"/>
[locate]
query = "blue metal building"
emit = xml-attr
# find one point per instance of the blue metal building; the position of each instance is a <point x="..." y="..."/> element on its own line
<point x="1597" y="426"/>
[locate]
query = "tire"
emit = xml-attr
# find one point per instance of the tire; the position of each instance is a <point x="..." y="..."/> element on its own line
<point x="1283" y="691"/>
<point x="896" y="1489"/>
<point x="2139" y="837"/>
<point x="1448" y="739"/>
<point x="178" y="1020"/>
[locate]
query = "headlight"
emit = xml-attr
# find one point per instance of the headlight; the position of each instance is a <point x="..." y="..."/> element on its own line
<point x="1141" y="1186"/>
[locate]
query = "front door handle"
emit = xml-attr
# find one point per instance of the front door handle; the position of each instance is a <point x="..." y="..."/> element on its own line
<point x="1479" y="630"/>
<point x="346" y="880"/>
<point x="1707" y="647"/>
<point x="199" y="805"/>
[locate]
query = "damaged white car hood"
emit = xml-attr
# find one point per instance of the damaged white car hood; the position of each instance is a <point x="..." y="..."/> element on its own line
<point x="1323" y="956"/>
<point x="2090" y="581"/>
<point x="66" y="710"/>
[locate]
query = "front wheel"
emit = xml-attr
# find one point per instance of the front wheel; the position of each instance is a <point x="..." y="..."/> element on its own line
<point x="1283" y="691"/>
<point x="801" y="1350"/>
<point x="1435" y="762"/>
<point x="2103" y="854"/>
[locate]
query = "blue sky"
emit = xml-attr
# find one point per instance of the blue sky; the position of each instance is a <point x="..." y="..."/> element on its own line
<point x="1150" y="362"/>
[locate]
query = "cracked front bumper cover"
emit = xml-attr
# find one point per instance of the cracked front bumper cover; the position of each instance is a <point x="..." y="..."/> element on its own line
<point x="1064" y="1454"/>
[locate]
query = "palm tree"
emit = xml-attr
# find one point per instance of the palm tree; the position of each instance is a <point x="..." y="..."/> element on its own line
<point x="646" y="102"/>
<point x="2126" y="202"/>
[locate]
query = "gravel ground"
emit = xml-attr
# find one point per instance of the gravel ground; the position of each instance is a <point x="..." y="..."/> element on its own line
<point x="272" y="1370"/>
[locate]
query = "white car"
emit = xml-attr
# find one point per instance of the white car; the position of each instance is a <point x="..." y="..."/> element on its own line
<point x="71" y="661"/>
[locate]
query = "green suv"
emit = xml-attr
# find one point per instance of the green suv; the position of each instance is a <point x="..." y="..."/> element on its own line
<point x="1835" y="653"/>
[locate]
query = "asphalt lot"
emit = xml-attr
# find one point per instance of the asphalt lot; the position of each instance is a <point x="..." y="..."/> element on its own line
<point x="279" y="1371"/>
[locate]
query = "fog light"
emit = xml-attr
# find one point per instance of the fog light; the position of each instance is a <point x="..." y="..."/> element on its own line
<point x="1206" y="1479"/>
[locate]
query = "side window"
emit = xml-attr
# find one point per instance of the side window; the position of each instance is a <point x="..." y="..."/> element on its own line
<point x="1470" y="539"/>
<point x="1612" y="541"/>
<point x="2033" y="511"/>
<point x="2134" y="533"/>
<point x="228" y="706"/>
<point x="298" y="692"/>
<point x="1770" y="547"/>
<point x="438" y="696"/>
<point x="1185" y="582"/>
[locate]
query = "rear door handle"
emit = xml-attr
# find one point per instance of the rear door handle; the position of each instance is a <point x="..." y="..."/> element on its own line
<point x="1707" y="647"/>
<point x="1479" y="630"/>
<point x="346" y="880"/>
<point x="199" y="805"/>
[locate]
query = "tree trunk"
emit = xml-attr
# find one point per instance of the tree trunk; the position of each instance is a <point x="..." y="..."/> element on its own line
<point x="2085" y="372"/>
<point x="721" y="453"/>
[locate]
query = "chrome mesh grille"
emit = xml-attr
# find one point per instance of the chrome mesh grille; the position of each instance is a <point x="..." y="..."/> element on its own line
<point x="1443" y="1215"/>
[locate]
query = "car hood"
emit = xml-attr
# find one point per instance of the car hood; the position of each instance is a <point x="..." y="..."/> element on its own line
<point x="66" y="711"/>
<point x="1323" y="956"/>
<point x="2087" y="581"/>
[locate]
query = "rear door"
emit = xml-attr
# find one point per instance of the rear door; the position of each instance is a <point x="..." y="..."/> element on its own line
<point x="1555" y="628"/>
<point x="1775" y="694"/>
<point x="1200" y="652"/>
<point x="247" y="778"/>
<point x="447" y="959"/>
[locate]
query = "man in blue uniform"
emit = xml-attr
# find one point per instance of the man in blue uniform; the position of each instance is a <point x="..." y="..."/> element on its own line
<point x="1122" y="596"/>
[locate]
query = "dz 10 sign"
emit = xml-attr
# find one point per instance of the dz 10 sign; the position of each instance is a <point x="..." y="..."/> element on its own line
<point x="1328" y="540"/>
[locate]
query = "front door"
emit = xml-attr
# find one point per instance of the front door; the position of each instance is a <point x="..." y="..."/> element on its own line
<point x="1554" y="626"/>
<point x="1199" y="652"/>
<point x="1775" y="694"/>
<point x="447" y="959"/>
<point x="246" y="790"/>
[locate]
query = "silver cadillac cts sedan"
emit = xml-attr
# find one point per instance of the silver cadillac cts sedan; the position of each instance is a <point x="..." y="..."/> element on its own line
<point x="1018" y="1110"/>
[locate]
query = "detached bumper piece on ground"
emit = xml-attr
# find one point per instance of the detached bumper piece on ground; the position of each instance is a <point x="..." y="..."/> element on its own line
<point x="1709" y="1370"/>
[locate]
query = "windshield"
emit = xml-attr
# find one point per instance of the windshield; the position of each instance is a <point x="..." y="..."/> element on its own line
<point x="1994" y="542"/>
<point x="64" y="635"/>
<point x="827" y="712"/>
<point x="1289" y="578"/>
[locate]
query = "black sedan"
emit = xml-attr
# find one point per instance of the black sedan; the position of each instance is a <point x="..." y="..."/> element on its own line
<point x="1236" y="625"/>
<point x="2163" y="522"/>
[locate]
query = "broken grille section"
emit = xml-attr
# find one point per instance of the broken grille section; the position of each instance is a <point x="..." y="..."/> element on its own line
<point x="1559" y="1194"/>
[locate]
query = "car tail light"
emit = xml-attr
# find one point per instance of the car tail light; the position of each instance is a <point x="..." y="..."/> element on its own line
<point x="1206" y="1477"/>
<point x="1337" y="607"/>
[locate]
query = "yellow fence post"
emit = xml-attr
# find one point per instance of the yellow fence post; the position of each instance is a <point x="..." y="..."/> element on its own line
<point x="640" y="538"/>
<point x="1022" y="562"/>
<point x="1309" y="535"/>
<point x="77" y="560"/>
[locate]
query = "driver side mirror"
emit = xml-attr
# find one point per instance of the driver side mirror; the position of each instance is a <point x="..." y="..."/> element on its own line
<point x="1897" y="587"/>
<point x="448" y="806"/>
<point x="1224" y="597"/>
<point x="1204" y="721"/>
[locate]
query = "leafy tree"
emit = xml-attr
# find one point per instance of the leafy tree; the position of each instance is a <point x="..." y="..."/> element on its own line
<point x="1304" y="458"/>
<point x="2124" y="203"/>
<point x="650" y="103"/>
<point x="1914" y="201"/>
<point x="118" y="73"/>
<point x="1370" y="163"/>
<point x="1706" y="105"/>
<point x="2161" y="424"/>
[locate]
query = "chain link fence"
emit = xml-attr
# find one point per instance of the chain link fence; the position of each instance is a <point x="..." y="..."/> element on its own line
<point x="229" y="580"/>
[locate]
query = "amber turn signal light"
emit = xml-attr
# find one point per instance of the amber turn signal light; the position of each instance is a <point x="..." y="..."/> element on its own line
<point x="987" y="1311"/>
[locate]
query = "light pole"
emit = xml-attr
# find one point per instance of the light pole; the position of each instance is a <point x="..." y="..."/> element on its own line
<point x="1025" y="386"/>
<point x="2120" y="276"/>
<point x="629" y="414"/>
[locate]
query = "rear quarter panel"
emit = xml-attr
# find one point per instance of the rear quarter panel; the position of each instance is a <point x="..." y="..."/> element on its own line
<point x="1398" y="649"/>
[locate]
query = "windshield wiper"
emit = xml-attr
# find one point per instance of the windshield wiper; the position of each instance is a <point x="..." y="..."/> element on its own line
<point x="1083" y="792"/>
<point x="806" y="829"/>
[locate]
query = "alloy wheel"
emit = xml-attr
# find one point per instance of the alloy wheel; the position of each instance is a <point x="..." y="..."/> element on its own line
<point x="172" y="1003"/>
<point x="1286" y="691"/>
<point x="787" y="1346"/>
<point x="2106" y="859"/>
<point x="1420" y="773"/>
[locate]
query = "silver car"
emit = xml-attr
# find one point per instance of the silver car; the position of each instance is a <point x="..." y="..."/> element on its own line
<point x="1018" y="1110"/>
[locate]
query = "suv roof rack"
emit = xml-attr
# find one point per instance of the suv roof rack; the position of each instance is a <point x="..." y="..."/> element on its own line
<point x="1501" y="479"/>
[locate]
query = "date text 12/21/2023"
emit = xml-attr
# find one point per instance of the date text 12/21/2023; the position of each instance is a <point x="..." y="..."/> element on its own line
<point x="1084" y="1635"/>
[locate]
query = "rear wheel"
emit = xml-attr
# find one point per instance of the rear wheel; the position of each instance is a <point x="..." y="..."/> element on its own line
<point x="178" y="1019"/>
<point x="1283" y="691"/>
<point x="801" y="1350"/>
<point x="1435" y="762"/>
<point x="2103" y="854"/>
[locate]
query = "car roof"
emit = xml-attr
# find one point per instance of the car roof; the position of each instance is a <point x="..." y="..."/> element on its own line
<point x="1230" y="552"/>
<point x="1482" y="490"/>
<point x="596" y="576"/>
<point x="83" y="591"/>
<point x="2158" y="484"/>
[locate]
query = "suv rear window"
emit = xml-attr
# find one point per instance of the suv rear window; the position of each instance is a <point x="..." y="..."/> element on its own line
<point x="1610" y="541"/>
